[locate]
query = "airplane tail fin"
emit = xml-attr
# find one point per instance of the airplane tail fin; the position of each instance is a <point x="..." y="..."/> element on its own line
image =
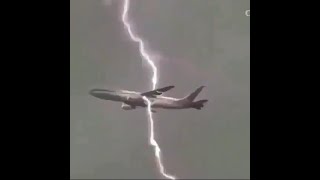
<point x="199" y="104"/>
<point x="193" y="95"/>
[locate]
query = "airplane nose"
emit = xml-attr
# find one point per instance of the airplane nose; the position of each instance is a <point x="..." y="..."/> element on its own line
<point x="93" y="92"/>
<point x="101" y="93"/>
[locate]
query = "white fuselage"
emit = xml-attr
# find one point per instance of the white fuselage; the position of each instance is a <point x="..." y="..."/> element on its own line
<point x="131" y="99"/>
<point x="134" y="99"/>
<point x="168" y="103"/>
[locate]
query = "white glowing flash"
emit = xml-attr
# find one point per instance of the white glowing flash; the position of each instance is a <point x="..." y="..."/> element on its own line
<point x="146" y="57"/>
<point x="154" y="143"/>
<point x="137" y="39"/>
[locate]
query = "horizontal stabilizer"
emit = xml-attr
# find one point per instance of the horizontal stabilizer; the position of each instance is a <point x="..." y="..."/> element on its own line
<point x="199" y="104"/>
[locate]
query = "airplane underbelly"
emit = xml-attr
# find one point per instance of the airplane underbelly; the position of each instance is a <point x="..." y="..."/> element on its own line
<point x="116" y="98"/>
<point x="135" y="102"/>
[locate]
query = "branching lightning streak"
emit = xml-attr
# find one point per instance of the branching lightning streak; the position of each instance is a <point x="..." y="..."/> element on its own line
<point x="146" y="57"/>
<point x="137" y="39"/>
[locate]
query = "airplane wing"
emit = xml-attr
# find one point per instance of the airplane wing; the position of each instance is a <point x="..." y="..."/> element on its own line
<point x="156" y="92"/>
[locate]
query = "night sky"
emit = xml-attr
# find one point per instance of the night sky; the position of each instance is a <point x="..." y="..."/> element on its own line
<point x="194" y="43"/>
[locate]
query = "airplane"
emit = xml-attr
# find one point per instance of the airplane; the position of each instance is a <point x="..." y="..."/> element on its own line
<point x="131" y="99"/>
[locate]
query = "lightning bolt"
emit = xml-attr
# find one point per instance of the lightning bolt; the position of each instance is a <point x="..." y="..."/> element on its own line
<point x="154" y="143"/>
<point x="146" y="57"/>
<point x="137" y="39"/>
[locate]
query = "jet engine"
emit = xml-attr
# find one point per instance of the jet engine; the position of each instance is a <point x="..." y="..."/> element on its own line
<point x="126" y="107"/>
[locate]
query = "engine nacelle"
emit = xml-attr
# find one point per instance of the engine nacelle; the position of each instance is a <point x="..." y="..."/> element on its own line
<point x="126" y="107"/>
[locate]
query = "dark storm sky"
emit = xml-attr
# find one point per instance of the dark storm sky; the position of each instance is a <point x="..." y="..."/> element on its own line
<point x="195" y="42"/>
